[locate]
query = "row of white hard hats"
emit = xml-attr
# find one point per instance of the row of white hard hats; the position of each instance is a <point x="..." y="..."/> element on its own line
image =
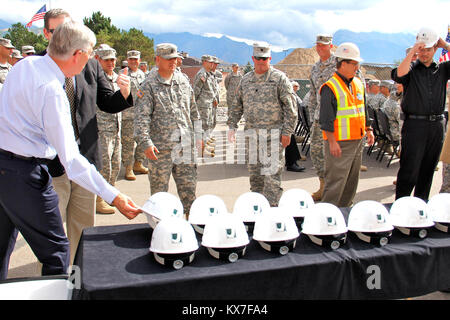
<point x="276" y="229"/>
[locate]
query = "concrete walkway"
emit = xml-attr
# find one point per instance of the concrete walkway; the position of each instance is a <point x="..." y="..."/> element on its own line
<point x="228" y="180"/>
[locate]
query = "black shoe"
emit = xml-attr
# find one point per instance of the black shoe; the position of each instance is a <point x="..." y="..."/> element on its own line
<point x="295" y="167"/>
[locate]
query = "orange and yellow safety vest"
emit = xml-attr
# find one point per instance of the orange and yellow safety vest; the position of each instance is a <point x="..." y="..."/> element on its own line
<point x="350" y="123"/>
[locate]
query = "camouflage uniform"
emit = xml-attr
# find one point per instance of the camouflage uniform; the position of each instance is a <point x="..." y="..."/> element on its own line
<point x="129" y="155"/>
<point x="4" y="69"/>
<point x="377" y="101"/>
<point x="204" y="92"/>
<point x="267" y="106"/>
<point x="445" y="188"/>
<point x="320" y="73"/>
<point x="231" y="84"/>
<point x="165" y="110"/>
<point x="391" y="108"/>
<point x="109" y="125"/>
<point x="217" y="76"/>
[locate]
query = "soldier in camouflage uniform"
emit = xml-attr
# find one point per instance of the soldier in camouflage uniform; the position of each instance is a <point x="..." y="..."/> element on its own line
<point x="132" y="159"/>
<point x="264" y="98"/>
<point x="392" y="109"/>
<point x="232" y="82"/>
<point x="321" y="72"/>
<point x="378" y="100"/>
<point x="218" y="77"/>
<point x="205" y="97"/>
<point x="109" y="125"/>
<point x="6" y="49"/>
<point x="144" y="68"/>
<point x="374" y="89"/>
<point x="165" y="124"/>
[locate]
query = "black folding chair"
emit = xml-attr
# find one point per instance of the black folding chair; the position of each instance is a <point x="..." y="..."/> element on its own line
<point x="388" y="138"/>
<point x="376" y="129"/>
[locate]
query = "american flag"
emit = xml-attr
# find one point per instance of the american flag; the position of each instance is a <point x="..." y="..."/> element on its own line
<point x="38" y="15"/>
<point x="445" y="55"/>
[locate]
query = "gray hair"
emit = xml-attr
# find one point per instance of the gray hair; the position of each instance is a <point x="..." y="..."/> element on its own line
<point x="54" y="13"/>
<point x="69" y="37"/>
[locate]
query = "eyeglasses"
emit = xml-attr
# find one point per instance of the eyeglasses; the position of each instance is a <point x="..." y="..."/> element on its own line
<point x="51" y="30"/>
<point x="354" y="63"/>
<point x="261" y="58"/>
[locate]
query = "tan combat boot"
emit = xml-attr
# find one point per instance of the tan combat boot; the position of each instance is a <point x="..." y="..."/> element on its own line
<point x="139" y="168"/>
<point x="317" y="196"/>
<point x="102" y="207"/>
<point x="363" y="168"/>
<point x="129" y="174"/>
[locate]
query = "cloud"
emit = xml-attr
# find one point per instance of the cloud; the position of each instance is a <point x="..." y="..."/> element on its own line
<point x="284" y="24"/>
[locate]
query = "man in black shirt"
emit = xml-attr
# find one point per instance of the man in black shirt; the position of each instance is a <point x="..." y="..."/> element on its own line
<point x="423" y="105"/>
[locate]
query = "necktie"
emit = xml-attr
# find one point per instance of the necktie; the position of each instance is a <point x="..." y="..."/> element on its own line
<point x="70" y="91"/>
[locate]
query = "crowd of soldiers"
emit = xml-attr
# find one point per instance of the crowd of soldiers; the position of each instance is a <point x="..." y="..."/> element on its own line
<point x="265" y="98"/>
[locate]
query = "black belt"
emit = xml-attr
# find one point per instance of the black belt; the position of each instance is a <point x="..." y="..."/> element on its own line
<point x="432" y="117"/>
<point x="17" y="156"/>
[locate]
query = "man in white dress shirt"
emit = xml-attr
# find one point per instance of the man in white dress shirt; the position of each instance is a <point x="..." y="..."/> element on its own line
<point x="36" y="125"/>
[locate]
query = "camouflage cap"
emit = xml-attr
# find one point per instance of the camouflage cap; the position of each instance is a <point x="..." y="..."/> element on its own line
<point x="386" y="83"/>
<point x="374" y="82"/>
<point x="324" y="38"/>
<point x="143" y="63"/>
<point x="180" y="55"/>
<point x="215" y="59"/>
<point x="133" y="54"/>
<point x="207" y="57"/>
<point x="106" y="53"/>
<point x="235" y="64"/>
<point x="261" y="50"/>
<point x="16" y="54"/>
<point x="166" y="51"/>
<point x="124" y="63"/>
<point x="28" y="49"/>
<point x="295" y="84"/>
<point x="6" y="43"/>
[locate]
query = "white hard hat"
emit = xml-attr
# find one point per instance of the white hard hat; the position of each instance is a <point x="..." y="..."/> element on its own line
<point x="427" y="36"/>
<point x="248" y="206"/>
<point x="370" y="221"/>
<point x="348" y="51"/>
<point x="174" y="242"/>
<point x="410" y="215"/>
<point x="161" y="205"/>
<point x="276" y="231"/>
<point x="297" y="202"/>
<point x="203" y="208"/>
<point x="325" y="225"/>
<point x="439" y="208"/>
<point x="225" y="237"/>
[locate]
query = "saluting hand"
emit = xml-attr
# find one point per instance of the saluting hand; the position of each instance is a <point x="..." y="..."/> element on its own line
<point x="124" y="83"/>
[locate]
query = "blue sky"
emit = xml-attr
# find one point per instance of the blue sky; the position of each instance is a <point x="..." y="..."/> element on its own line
<point x="284" y="24"/>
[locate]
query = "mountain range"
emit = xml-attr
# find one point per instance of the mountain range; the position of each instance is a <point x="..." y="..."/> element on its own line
<point x="375" y="47"/>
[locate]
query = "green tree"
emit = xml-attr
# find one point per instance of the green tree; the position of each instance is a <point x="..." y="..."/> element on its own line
<point x="248" y="68"/>
<point x="21" y="36"/>
<point x="98" y="22"/>
<point x="121" y="40"/>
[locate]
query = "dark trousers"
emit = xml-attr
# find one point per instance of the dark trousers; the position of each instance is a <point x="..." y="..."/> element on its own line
<point x="29" y="205"/>
<point x="292" y="153"/>
<point x="422" y="142"/>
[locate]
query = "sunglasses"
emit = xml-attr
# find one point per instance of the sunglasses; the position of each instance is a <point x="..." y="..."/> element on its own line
<point x="261" y="58"/>
<point x="51" y="30"/>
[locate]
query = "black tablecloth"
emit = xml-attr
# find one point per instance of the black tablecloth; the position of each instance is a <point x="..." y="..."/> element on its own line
<point x="115" y="263"/>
